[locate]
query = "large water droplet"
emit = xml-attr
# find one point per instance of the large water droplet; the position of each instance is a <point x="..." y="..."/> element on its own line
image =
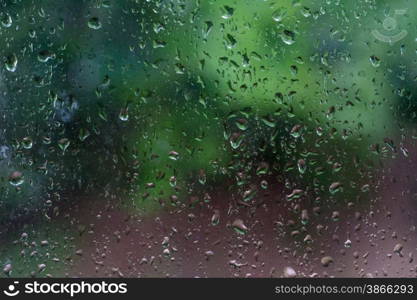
<point x="94" y="23"/>
<point x="11" y="63"/>
<point x="16" y="178"/>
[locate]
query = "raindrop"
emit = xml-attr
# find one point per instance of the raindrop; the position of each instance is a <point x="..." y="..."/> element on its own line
<point x="27" y="142"/>
<point x="173" y="155"/>
<point x="239" y="226"/>
<point x="83" y="134"/>
<point x="202" y="178"/>
<point x="304" y="217"/>
<point x="296" y="131"/>
<point x="16" y="178"/>
<point x="64" y="144"/>
<point x="41" y="267"/>
<point x="295" y="194"/>
<point x="242" y="124"/>
<point x="227" y="12"/>
<point x="215" y="219"/>
<point x="348" y="243"/>
<point x="7" y="269"/>
<point x="289" y="272"/>
<point x="94" y="23"/>
<point x="11" y="63"/>
<point x="124" y="114"/>
<point x="326" y="261"/>
<point x="398" y="249"/>
<point x="262" y="169"/>
<point x="335" y="216"/>
<point x="173" y="181"/>
<point x="335" y="187"/>
<point x="288" y="37"/>
<point x="375" y="61"/>
<point x="6" y="20"/>
<point x="302" y="166"/>
<point x="279" y="14"/>
<point x="44" y="56"/>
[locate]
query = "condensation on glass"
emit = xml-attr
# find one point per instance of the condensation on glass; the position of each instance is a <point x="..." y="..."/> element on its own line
<point x="220" y="138"/>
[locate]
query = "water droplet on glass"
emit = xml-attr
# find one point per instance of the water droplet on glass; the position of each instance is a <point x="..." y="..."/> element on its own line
<point x="16" y="178"/>
<point x="124" y="114"/>
<point x="83" y="134"/>
<point x="304" y="217"/>
<point x="242" y="124"/>
<point x="295" y="194"/>
<point x="335" y="187"/>
<point x="94" y="23"/>
<point x="326" y="261"/>
<point x="64" y="144"/>
<point x="173" y="181"/>
<point x="296" y="131"/>
<point x="215" y="219"/>
<point x="27" y="142"/>
<point x="202" y="178"/>
<point x="375" y="61"/>
<point x="227" y="12"/>
<point x="289" y="272"/>
<point x="239" y="226"/>
<point x="279" y="14"/>
<point x="44" y="56"/>
<point x="335" y="216"/>
<point x="348" y="243"/>
<point x="6" y="20"/>
<point x="11" y="63"/>
<point x="173" y="155"/>
<point x="302" y="166"/>
<point x="7" y="269"/>
<point x="288" y="37"/>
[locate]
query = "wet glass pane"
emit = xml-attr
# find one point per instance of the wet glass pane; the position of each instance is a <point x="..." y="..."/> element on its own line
<point x="218" y="138"/>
